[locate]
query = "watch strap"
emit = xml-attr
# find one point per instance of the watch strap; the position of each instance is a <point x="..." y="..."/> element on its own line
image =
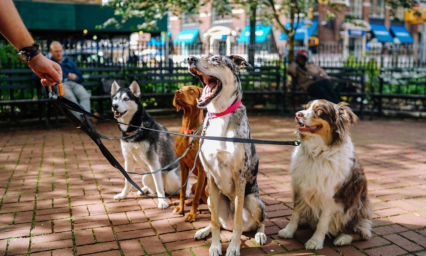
<point x="30" y="51"/>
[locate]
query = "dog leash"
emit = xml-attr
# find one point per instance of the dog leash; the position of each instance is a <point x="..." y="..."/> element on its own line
<point x="75" y="107"/>
<point x="64" y="105"/>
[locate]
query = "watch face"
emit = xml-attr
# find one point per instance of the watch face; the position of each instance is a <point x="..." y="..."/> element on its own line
<point x="22" y="57"/>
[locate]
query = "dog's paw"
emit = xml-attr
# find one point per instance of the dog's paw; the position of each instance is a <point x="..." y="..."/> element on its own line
<point x="191" y="217"/>
<point x="202" y="233"/>
<point x="162" y="204"/>
<point x="215" y="250"/>
<point x="189" y="202"/>
<point x="313" y="244"/>
<point x="178" y="210"/>
<point x="233" y="250"/>
<point x="285" y="233"/>
<point x="260" y="238"/>
<point x="120" y="196"/>
<point x="343" y="239"/>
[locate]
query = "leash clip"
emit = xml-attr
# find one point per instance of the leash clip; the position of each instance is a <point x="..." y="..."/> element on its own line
<point x="296" y="143"/>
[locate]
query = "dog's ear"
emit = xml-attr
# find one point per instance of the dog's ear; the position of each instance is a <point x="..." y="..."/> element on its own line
<point x="114" y="88"/>
<point x="346" y="114"/>
<point x="240" y="61"/>
<point x="178" y="108"/>
<point x="135" y="89"/>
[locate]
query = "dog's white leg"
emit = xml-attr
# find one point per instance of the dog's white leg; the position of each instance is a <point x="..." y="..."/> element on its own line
<point x="256" y="208"/>
<point x="203" y="233"/>
<point x="148" y="185"/>
<point x="317" y="240"/>
<point x="129" y="165"/>
<point x="290" y="229"/>
<point x="214" y="194"/>
<point x="158" y="181"/>
<point x="234" y="246"/>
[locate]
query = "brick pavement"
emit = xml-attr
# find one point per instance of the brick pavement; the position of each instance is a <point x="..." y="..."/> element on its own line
<point x="57" y="196"/>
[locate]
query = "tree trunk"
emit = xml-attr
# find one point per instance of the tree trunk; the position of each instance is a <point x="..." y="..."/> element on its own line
<point x="252" y="44"/>
<point x="290" y="46"/>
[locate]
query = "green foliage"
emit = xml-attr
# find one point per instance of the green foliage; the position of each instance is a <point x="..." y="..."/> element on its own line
<point x="7" y="54"/>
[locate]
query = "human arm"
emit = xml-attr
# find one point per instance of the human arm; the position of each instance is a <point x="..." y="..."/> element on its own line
<point x="291" y="70"/>
<point x="13" y="29"/>
<point x="323" y="74"/>
<point x="75" y="75"/>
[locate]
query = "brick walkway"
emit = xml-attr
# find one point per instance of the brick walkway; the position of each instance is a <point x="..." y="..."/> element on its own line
<point x="57" y="196"/>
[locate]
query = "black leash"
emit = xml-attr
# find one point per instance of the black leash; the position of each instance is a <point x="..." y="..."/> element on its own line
<point x="64" y="105"/>
<point x="78" y="108"/>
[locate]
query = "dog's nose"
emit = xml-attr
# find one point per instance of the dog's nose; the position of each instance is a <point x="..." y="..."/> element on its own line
<point x="192" y="59"/>
<point x="114" y="106"/>
<point x="299" y="114"/>
<point x="178" y="92"/>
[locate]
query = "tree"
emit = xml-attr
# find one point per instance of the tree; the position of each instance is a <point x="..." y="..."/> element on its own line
<point x="265" y="11"/>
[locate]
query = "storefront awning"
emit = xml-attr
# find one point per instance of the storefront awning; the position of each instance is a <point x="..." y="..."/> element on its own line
<point x="186" y="36"/>
<point x="262" y="33"/>
<point x="402" y="34"/>
<point x="381" y="33"/>
<point x="300" y="31"/>
<point x="158" y="42"/>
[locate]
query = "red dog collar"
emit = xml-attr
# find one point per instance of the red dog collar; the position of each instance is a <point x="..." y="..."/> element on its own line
<point x="231" y="109"/>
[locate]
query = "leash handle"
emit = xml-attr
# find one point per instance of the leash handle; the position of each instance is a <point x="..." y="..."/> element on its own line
<point x="61" y="89"/>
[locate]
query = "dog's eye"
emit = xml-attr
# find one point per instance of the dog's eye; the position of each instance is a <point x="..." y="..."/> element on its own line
<point x="319" y="111"/>
<point x="115" y="98"/>
<point x="191" y="91"/>
<point x="126" y="99"/>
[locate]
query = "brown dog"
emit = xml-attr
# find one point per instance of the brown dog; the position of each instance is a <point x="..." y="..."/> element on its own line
<point x="186" y="99"/>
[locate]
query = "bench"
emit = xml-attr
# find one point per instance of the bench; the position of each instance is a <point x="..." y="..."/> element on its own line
<point x="348" y="82"/>
<point x="401" y="91"/>
<point x="262" y="86"/>
<point x="20" y="95"/>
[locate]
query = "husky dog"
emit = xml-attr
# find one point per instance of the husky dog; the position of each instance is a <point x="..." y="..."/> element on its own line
<point x="143" y="146"/>
<point x="231" y="168"/>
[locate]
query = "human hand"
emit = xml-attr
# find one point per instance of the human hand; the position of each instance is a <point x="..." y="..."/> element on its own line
<point x="72" y="76"/>
<point x="49" y="71"/>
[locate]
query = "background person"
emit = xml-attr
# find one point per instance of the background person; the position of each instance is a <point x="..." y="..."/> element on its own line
<point x="72" y="78"/>
<point x="13" y="29"/>
<point x="312" y="78"/>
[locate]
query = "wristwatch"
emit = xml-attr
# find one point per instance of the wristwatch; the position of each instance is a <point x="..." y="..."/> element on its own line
<point x="27" y="53"/>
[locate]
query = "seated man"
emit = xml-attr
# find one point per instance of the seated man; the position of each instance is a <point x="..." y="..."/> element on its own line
<point x="312" y="78"/>
<point x="71" y="78"/>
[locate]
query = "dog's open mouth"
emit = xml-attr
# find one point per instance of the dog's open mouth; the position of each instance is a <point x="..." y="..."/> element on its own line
<point x="305" y="128"/>
<point x="211" y="87"/>
<point x="118" y="114"/>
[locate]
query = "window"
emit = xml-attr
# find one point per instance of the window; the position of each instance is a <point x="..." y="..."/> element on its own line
<point x="190" y="19"/>
<point x="355" y="8"/>
<point x="226" y="18"/>
<point x="377" y="9"/>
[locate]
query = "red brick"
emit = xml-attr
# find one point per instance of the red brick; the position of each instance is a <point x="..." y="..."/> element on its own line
<point x="110" y="253"/>
<point x="130" y="227"/>
<point x="289" y="244"/>
<point x="118" y="218"/>
<point x="18" y="246"/>
<point x="152" y="245"/>
<point x="391" y="229"/>
<point x="136" y="217"/>
<point x="415" y="237"/>
<point x="51" y="245"/>
<point x="163" y="226"/>
<point x="390" y="212"/>
<point x="201" y="251"/>
<point x="102" y="247"/>
<point x="6" y="218"/>
<point x="404" y="243"/>
<point x="63" y="252"/>
<point x="135" y="234"/>
<point x="51" y="237"/>
<point x="62" y="225"/>
<point x="172" y="237"/>
<point x="373" y="242"/>
<point x="349" y="250"/>
<point x="183" y="253"/>
<point x="104" y="234"/>
<point x="272" y="247"/>
<point x="131" y="247"/>
<point x="96" y="209"/>
<point x="84" y="237"/>
<point x="386" y="250"/>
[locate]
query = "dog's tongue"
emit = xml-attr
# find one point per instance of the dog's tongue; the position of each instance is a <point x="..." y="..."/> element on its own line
<point x="306" y="128"/>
